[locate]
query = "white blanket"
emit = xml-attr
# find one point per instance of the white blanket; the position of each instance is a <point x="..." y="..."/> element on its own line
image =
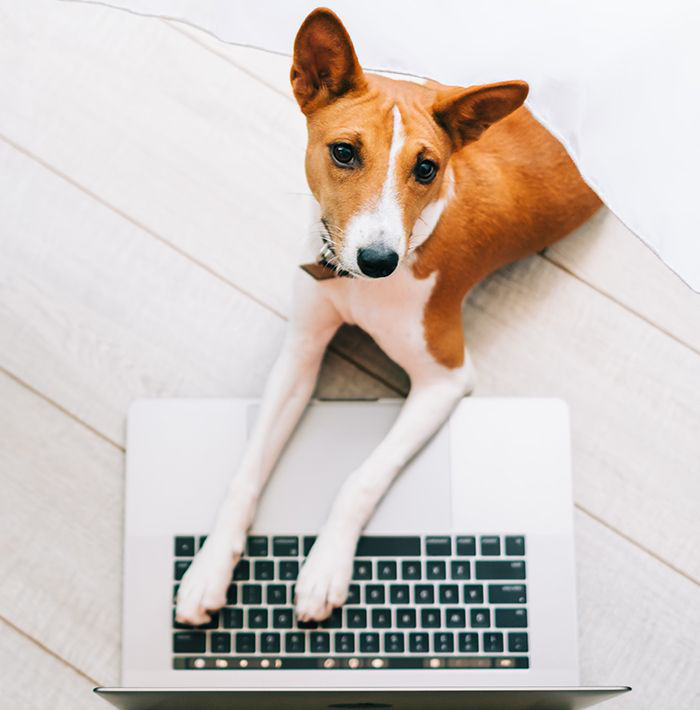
<point x="616" y="81"/>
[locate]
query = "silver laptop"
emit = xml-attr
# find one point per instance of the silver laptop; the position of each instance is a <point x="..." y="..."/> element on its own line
<point x="463" y="583"/>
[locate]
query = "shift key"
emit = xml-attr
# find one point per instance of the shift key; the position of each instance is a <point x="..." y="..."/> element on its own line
<point x="500" y="569"/>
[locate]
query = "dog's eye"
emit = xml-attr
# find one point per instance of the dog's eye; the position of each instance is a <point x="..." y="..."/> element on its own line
<point x="343" y="154"/>
<point x="425" y="171"/>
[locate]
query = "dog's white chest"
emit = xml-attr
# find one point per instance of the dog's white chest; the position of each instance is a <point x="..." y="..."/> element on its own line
<point x="389" y="309"/>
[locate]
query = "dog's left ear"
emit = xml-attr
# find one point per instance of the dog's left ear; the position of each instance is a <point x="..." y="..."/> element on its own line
<point x="466" y="113"/>
<point x="325" y="65"/>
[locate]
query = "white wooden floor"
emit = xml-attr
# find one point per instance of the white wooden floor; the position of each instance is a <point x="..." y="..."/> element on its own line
<point x="151" y="200"/>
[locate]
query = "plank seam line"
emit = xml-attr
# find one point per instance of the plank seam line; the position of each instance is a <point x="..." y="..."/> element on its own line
<point x="61" y="408"/>
<point x="614" y="299"/>
<point x="180" y="252"/>
<point x="46" y="649"/>
<point x="582" y="508"/>
<point x="173" y="24"/>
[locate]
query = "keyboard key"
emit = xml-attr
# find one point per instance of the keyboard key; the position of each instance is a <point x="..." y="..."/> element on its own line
<point x="184" y="547"/>
<point x="353" y="594"/>
<point x="386" y="569"/>
<point x="443" y="642"/>
<point x="435" y="569"/>
<point x="430" y="618"/>
<point x="480" y="618"/>
<point x="264" y="570"/>
<point x="344" y="642"/>
<point x="241" y="571"/>
<point x="406" y="618"/>
<point x="202" y="540"/>
<point x="468" y="643"/>
<point x="307" y="624"/>
<point x="189" y="642"/>
<point x="466" y="546"/>
<point x="398" y="593"/>
<point x="309" y="541"/>
<point x="232" y="595"/>
<point x="375" y="546"/>
<point x="424" y="594"/>
<point x="276" y="594"/>
<point x="245" y="642"/>
<point x="257" y="618"/>
<point x="257" y="546"/>
<point x="418" y="642"/>
<point x="356" y="618"/>
<point x="220" y="642"/>
<point x="362" y="569"/>
<point x="515" y="545"/>
<point x="320" y="642"/>
<point x="490" y="545"/>
<point x="459" y="569"/>
<point x="251" y="593"/>
<point x="294" y="642"/>
<point x="393" y="642"/>
<point x="500" y="569"/>
<point x="180" y="568"/>
<point x="473" y="593"/>
<point x="285" y="546"/>
<point x="213" y="623"/>
<point x="282" y="618"/>
<point x="411" y="569"/>
<point x="334" y="621"/>
<point x="374" y="594"/>
<point x="448" y="594"/>
<point x="270" y="642"/>
<point x="381" y="618"/>
<point x="511" y="618"/>
<point x="232" y="618"/>
<point x="517" y="642"/>
<point x="507" y="594"/>
<point x="438" y="546"/>
<point x="493" y="642"/>
<point x="289" y="570"/>
<point x="455" y="618"/>
<point x="369" y="642"/>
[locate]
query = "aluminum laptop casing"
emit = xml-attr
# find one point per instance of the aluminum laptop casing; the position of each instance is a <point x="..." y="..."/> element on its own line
<point x="498" y="466"/>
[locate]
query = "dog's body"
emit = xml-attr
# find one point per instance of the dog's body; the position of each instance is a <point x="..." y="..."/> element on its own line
<point x="410" y="197"/>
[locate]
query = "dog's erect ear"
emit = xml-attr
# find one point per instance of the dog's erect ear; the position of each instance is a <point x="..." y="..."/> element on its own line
<point x="325" y="65"/>
<point x="466" y="113"/>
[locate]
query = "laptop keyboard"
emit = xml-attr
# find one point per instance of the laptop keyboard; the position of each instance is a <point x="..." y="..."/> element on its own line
<point x="415" y="602"/>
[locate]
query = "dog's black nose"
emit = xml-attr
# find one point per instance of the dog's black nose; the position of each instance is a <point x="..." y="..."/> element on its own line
<point x="377" y="260"/>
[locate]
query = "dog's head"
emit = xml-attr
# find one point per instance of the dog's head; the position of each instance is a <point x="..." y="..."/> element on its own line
<point x="378" y="153"/>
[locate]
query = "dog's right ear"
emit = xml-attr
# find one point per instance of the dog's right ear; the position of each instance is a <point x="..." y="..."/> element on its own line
<point x="325" y="65"/>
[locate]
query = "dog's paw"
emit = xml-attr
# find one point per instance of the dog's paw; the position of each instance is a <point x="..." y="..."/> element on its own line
<point x="204" y="586"/>
<point x="325" y="577"/>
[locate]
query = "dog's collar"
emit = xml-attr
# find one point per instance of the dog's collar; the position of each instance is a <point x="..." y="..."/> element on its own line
<point x="323" y="268"/>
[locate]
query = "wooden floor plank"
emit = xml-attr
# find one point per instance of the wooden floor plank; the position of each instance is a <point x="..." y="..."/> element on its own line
<point x="32" y="679"/>
<point x="533" y="328"/>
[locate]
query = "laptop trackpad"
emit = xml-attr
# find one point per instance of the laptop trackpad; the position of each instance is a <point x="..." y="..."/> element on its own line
<point x="331" y="441"/>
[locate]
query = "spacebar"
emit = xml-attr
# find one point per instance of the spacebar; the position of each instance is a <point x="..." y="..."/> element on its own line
<point x="371" y="546"/>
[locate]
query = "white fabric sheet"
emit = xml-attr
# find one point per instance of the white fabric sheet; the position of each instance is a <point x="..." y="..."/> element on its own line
<point x="616" y="81"/>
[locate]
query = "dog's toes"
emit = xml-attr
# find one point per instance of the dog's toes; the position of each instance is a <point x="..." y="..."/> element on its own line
<point x="203" y="588"/>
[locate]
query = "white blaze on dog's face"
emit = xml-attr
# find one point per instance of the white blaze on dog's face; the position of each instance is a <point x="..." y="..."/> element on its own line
<point x="376" y="157"/>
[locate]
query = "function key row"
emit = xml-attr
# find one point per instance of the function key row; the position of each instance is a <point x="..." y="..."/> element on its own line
<point x="344" y="642"/>
<point x="377" y="546"/>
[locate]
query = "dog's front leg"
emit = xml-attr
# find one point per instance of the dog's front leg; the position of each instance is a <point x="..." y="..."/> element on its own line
<point x="287" y="391"/>
<point x="325" y="577"/>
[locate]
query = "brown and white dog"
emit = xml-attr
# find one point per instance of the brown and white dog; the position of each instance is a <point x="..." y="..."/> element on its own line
<point x="423" y="190"/>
